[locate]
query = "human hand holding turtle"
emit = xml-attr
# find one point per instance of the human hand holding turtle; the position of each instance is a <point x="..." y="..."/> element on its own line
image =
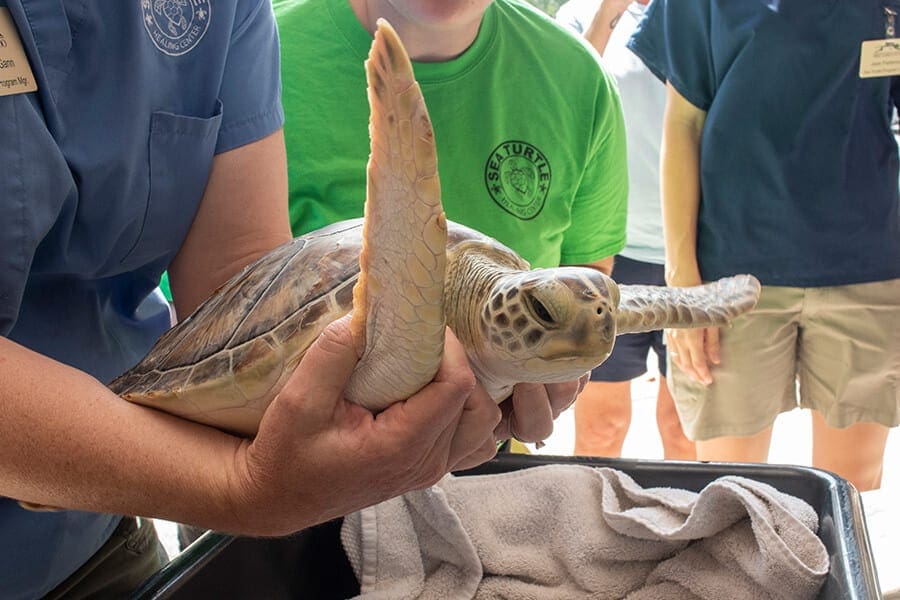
<point x="319" y="456"/>
<point x="531" y="409"/>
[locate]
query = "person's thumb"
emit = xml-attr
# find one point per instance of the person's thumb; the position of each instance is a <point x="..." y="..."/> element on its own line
<point x="326" y="367"/>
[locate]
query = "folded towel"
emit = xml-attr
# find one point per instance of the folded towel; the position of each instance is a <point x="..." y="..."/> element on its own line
<point x="571" y="531"/>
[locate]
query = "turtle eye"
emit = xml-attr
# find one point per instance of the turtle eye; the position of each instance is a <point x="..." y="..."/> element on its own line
<point x="540" y="311"/>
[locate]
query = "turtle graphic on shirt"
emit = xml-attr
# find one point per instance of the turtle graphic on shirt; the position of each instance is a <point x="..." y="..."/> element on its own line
<point x="173" y="11"/>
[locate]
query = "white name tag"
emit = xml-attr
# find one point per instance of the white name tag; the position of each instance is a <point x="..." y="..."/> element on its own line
<point x="880" y="58"/>
<point x="15" y="71"/>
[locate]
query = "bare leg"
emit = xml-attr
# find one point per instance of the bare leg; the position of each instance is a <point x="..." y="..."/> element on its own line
<point x="856" y="453"/>
<point x="676" y="446"/>
<point x="751" y="448"/>
<point x="602" y="418"/>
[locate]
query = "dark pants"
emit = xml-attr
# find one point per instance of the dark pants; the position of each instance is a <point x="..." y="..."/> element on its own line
<point x="629" y="356"/>
<point x="130" y="556"/>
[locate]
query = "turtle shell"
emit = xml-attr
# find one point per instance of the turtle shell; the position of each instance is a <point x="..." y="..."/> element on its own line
<point x="224" y="364"/>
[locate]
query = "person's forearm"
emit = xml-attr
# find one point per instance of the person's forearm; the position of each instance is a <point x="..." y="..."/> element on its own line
<point x="243" y="215"/>
<point x="605" y="20"/>
<point x="680" y="187"/>
<point x="68" y="441"/>
<point x="604" y="265"/>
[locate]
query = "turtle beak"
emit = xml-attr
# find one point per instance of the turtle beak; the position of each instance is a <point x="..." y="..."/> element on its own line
<point x="591" y="328"/>
<point x="589" y="337"/>
<point x="606" y="326"/>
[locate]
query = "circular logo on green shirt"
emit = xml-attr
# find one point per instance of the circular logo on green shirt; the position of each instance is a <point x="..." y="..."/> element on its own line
<point x="517" y="176"/>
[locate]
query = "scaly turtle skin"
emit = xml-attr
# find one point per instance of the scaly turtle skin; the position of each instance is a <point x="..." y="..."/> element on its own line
<point x="407" y="274"/>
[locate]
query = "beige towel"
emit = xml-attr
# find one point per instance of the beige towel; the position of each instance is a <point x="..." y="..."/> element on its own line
<point x="571" y="531"/>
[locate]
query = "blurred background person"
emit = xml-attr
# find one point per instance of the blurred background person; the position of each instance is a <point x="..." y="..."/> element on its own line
<point x="778" y="160"/>
<point x="603" y="410"/>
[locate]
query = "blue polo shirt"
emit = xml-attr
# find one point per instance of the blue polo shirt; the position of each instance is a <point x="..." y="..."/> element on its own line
<point x="799" y="167"/>
<point x="103" y="170"/>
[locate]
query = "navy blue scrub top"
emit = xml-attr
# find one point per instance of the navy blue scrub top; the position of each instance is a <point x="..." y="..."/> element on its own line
<point x="103" y="170"/>
<point x="799" y="168"/>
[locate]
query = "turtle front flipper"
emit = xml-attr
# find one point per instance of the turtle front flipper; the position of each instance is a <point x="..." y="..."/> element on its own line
<point x="398" y="303"/>
<point x="647" y="308"/>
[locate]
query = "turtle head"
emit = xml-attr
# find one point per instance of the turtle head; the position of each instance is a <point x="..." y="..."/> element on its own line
<point x="548" y="325"/>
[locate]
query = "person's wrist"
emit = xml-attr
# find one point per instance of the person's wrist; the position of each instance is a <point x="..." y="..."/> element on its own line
<point x="682" y="276"/>
<point x="609" y="12"/>
<point x="245" y="499"/>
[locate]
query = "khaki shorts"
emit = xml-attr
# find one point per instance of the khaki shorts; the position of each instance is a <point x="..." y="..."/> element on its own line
<point x="837" y="348"/>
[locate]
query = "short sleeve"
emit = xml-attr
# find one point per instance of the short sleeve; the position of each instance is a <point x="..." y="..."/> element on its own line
<point x="599" y="211"/>
<point x="251" y="86"/>
<point x="674" y="40"/>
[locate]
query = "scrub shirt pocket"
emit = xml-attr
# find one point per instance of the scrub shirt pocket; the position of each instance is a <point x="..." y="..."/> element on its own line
<point x="181" y="153"/>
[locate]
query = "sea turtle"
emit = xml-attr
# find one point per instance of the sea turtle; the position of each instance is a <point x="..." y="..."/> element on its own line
<point x="406" y="273"/>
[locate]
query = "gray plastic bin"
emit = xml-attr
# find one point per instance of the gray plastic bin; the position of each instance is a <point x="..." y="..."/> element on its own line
<point x="312" y="563"/>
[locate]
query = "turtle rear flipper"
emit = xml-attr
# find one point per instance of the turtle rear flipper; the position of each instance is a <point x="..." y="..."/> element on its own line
<point x="647" y="307"/>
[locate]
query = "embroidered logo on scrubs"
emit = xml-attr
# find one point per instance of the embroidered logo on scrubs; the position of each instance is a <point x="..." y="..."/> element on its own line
<point x="176" y="26"/>
<point x="517" y="176"/>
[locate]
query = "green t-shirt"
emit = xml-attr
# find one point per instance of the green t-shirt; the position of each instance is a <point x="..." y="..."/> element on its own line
<point x="529" y="130"/>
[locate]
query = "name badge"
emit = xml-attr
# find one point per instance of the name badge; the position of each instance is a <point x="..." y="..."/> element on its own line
<point x="15" y="71"/>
